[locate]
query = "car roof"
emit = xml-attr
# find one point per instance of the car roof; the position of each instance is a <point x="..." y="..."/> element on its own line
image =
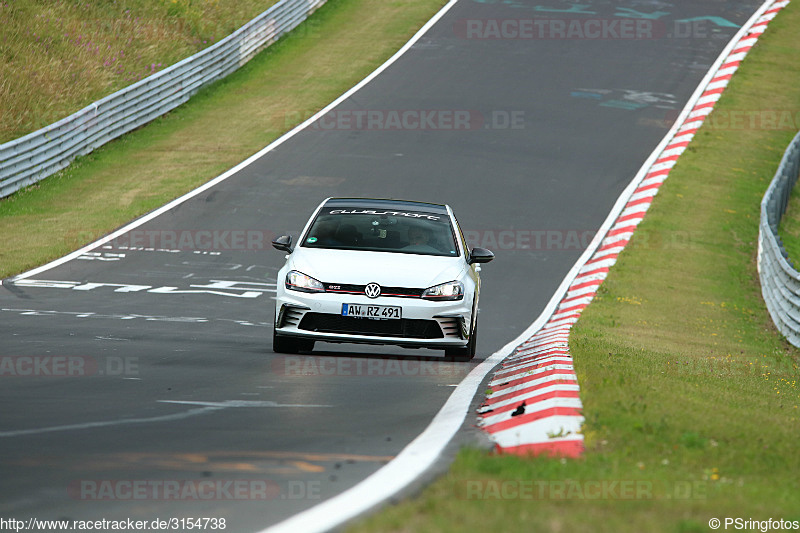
<point x="385" y="203"/>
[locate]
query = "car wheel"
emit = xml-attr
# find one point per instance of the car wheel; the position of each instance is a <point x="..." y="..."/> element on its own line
<point x="282" y="344"/>
<point x="466" y="353"/>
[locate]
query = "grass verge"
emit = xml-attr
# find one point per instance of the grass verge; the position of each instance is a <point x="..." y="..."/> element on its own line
<point x="59" y="56"/>
<point x="691" y="398"/>
<point x="222" y="125"/>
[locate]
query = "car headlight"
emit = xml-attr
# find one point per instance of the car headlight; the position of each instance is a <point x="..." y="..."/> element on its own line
<point x="297" y="281"/>
<point x="452" y="290"/>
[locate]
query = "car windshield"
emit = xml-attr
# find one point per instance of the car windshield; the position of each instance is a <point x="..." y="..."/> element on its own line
<point x="378" y="230"/>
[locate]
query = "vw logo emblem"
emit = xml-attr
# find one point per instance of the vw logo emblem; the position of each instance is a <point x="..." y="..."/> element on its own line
<point x="373" y="290"/>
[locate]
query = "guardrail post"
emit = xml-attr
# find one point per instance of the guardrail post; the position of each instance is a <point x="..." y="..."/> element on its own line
<point x="780" y="282"/>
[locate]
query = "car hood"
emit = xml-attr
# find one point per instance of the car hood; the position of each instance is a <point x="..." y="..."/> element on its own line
<point x="385" y="268"/>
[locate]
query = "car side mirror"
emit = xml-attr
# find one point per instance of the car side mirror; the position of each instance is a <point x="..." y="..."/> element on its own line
<point x="480" y="255"/>
<point x="283" y="243"/>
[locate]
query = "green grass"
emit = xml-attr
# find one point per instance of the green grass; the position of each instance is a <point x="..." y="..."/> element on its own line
<point x="690" y="395"/>
<point x="224" y="124"/>
<point x="57" y="57"/>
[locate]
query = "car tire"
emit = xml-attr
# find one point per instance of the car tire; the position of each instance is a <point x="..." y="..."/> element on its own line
<point x="465" y="354"/>
<point x="282" y="344"/>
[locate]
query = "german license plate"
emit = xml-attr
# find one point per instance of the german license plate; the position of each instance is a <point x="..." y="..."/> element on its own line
<point x="372" y="311"/>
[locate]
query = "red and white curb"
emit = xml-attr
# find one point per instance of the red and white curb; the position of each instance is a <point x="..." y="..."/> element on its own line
<point x="534" y="406"/>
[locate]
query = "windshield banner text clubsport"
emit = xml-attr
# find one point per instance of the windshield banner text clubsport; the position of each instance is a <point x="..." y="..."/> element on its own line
<point x="411" y="232"/>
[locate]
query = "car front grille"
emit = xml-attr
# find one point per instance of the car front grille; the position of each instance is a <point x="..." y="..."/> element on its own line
<point x="399" y="292"/>
<point x="403" y="327"/>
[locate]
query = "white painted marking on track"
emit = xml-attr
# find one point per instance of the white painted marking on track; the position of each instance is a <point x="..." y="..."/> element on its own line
<point x="97" y="256"/>
<point x="149" y="318"/>
<point x="249" y="289"/>
<point x="110" y="423"/>
<point x="48" y="283"/>
<point x="241" y="403"/>
<point x="176" y="290"/>
<point x="83" y="314"/>
<point x="205" y="408"/>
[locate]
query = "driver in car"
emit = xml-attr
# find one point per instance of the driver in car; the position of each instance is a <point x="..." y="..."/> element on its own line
<point x="419" y="241"/>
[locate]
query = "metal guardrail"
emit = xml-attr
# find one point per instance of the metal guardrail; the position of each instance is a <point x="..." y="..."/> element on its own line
<point x="35" y="156"/>
<point x="780" y="282"/>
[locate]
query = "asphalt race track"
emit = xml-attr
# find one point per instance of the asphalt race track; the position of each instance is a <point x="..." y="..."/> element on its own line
<point x="160" y="342"/>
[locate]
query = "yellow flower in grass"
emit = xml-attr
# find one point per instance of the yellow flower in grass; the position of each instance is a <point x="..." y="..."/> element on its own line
<point x="712" y="474"/>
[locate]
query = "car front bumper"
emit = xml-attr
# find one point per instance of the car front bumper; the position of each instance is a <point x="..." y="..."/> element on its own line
<point x="424" y="323"/>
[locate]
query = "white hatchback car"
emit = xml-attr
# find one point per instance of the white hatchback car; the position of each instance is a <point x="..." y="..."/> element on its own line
<point x="379" y="272"/>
